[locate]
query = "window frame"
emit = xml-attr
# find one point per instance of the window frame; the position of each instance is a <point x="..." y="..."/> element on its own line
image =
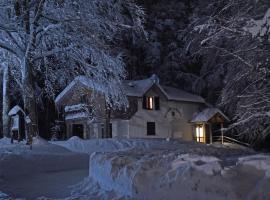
<point x="151" y="103"/>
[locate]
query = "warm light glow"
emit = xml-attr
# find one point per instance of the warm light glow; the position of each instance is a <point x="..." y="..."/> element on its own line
<point x="151" y="103"/>
<point x="199" y="133"/>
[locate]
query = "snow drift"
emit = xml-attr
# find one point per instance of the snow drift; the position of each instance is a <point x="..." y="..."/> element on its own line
<point x="163" y="175"/>
<point x="77" y="144"/>
<point x="159" y="169"/>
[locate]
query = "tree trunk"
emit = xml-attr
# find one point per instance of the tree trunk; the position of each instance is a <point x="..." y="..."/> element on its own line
<point x="6" y="102"/>
<point x="29" y="100"/>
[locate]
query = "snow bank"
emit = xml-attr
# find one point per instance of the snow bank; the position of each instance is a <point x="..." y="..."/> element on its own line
<point x="160" y="174"/>
<point x="4" y="141"/>
<point x="148" y="176"/>
<point x="77" y="144"/>
<point x="260" y="162"/>
<point x="40" y="141"/>
<point x="206" y="164"/>
<point x="4" y="196"/>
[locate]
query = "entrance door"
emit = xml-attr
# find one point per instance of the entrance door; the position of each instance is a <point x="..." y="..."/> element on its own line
<point x="77" y="130"/>
<point x="199" y="134"/>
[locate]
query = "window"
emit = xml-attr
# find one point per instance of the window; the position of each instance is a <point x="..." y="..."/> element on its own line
<point x="199" y="134"/>
<point x="151" y="103"/>
<point x="151" y="128"/>
<point x="102" y="130"/>
<point x="83" y="98"/>
<point x="103" y="134"/>
<point x="110" y="130"/>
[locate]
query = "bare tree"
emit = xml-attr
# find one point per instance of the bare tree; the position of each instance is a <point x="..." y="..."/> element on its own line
<point x="6" y="101"/>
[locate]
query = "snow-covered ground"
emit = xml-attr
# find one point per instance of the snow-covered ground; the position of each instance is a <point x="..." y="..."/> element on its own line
<point x="46" y="170"/>
<point x="132" y="169"/>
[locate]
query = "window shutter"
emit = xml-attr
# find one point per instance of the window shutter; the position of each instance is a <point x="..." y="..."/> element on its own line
<point x="157" y="105"/>
<point x="144" y="102"/>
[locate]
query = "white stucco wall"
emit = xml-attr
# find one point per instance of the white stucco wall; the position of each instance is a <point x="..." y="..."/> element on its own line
<point x="177" y="126"/>
<point x="120" y="128"/>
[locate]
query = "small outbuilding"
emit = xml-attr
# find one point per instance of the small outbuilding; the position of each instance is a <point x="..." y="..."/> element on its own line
<point x="209" y="124"/>
<point x="17" y="123"/>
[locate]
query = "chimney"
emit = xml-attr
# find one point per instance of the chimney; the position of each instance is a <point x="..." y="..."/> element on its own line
<point x="155" y="79"/>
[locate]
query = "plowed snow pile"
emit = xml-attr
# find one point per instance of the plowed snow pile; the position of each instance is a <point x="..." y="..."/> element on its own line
<point x="171" y="175"/>
<point x="161" y="170"/>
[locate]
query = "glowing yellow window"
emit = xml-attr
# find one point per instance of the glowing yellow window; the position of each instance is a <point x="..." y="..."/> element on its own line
<point x="151" y="103"/>
<point x="200" y="134"/>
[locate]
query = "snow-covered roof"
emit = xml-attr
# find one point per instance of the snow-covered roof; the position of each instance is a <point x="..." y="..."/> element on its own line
<point x="207" y="114"/>
<point x="76" y="107"/>
<point x="15" y="110"/>
<point x="78" y="80"/>
<point x="181" y="95"/>
<point x="137" y="88"/>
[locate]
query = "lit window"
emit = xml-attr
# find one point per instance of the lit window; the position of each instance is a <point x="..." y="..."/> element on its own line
<point x="199" y="133"/>
<point x="150" y="102"/>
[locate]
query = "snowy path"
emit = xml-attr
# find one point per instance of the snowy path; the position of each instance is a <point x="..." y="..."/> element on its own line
<point x="47" y="170"/>
<point x="51" y="185"/>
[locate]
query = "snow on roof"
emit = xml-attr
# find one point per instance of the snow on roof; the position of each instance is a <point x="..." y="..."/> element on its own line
<point x="181" y="95"/>
<point x="207" y="114"/>
<point x="87" y="82"/>
<point x="76" y="107"/>
<point x="15" y="110"/>
<point x="137" y="88"/>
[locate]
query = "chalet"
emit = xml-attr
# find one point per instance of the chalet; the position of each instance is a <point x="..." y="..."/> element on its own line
<point x="155" y="111"/>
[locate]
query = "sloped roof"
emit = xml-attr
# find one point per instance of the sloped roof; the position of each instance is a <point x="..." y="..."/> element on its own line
<point x="207" y="114"/>
<point x="181" y="95"/>
<point x="137" y="88"/>
<point x="15" y="110"/>
<point x="78" y="80"/>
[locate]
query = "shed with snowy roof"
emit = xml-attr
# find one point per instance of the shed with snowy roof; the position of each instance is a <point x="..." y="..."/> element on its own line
<point x="16" y="115"/>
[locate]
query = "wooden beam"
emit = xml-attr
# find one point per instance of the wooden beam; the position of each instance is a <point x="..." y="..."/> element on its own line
<point x="211" y="134"/>
<point x="204" y="133"/>
<point x="222" y="134"/>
